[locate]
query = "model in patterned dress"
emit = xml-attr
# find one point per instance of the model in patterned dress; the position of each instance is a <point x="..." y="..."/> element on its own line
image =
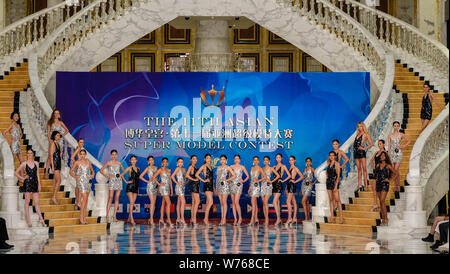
<point x="333" y="179"/>
<point x="16" y="134"/>
<point x="307" y="186"/>
<point x="256" y="176"/>
<point x="224" y="175"/>
<point x="291" y="190"/>
<point x="165" y="189"/>
<point x="426" y="112"/>
<point x="32" y="185"/>
<point x="194" y="187"/>
<point x="56" y="154"/>
<point x="74" y="157"/>
<point x="132" y="188"/>
<point x="113" y="168"/>
<point x="385" y="172"/>
<point x="179" y="178"/>
<point x="395" y="151"/>
<point x="152" y="187"/>
<point x="236" y="188"/>
<point x="362" y="136"/>
<point x="208" y="184"/>
<point x="266" y="187"/>
<point x="84" y="175"/>
<point x="54" y="124"/>
<point x="281" y="169"/>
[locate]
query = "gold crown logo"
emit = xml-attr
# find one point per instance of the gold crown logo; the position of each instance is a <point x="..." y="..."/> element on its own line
<point x="212" y="94"/>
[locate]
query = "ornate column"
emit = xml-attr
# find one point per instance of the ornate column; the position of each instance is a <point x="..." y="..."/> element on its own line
<point x="101" y="195"/>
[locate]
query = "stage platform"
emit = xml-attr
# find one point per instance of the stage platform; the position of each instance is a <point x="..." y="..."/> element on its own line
<point x="229" y="239"/>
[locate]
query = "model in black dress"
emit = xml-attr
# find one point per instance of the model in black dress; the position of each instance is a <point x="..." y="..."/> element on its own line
<point x="132" y="185"/>
<point x="384" y="171"/>
<point x="194" y="187"/>
<point x="374" y="162"/>
<point x="56" y="154"/>
<point x="426" y="113"/>
<point x="208" y="184"/>
<point x="332" y="184"/>
<point x="278" y="185"/>
<point x="359" y="151"/>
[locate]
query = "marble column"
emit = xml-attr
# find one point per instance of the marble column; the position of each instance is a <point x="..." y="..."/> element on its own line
<point x="322" y="207"/>
<point x="101" y="195"/>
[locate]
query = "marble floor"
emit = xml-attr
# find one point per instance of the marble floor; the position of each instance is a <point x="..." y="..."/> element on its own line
<point x="143" y="239"/>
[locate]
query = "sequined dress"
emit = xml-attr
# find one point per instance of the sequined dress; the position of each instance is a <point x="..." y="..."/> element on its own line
<point x="83" y="183"/>
<point x="382" y="183"/>
<point x="235" y="184"/>
<point x="194" y="186"/>
<point x="164" y="189"/>
<point x="222" y="186"/>
<point x="291" y="187"/>
<point x="278" y="185"/>
<point x="394" y="151"/>
<point x="359" y="153"/>
<point x="266" y="186"/>
<point x="31" y="183"/>
<point x="427" y="109"/>
<point x="57" y="157"/>
<point x="254" y="186"/>
<point x="307" y="183"/>
<point x="331" y="177"/>
<point x="180" y="188"/>
<point x="115" y="183"/>
<point x="134" y="178"/>
<point x="61" y="130"/>
<point x="152" y="187"/>
<point x="15" y="145"/>
<point x="209" y="186"/>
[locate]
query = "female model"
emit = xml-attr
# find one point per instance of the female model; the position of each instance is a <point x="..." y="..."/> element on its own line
<point x="291" y="189"/>
<point x="307" y="186"/>
<point x="54" y="124"/>
<point x="278" y="185"/>
<point x="223" y="186"/>
<point x="165" y="189"/>
<point x="115" y="182"/>
<point x="31" y="184"/>
<point x="180" y="185"/>
<point x="132" y="189"/>
<point x="339" y="155"/>
<point x="16" y="134"/>
<point x="384" y="172"/>
<point x="208" y="184"/>
<point x="194" y="187"/>
<point x="333" y="179"/>
<point x="266" y="187"/>
<point x="254" y="189"/>
<point x="360" y="152"/>
<point x="426" y="113"/>
<point x="152" y="187"/>
<point x="80" y="146"/>
<point x="56" y="153"/>
<point x="85" y="173"/>
<point x="236" y="188"/>
<point x="373" y="163"/>
<point x="395" y="151"/>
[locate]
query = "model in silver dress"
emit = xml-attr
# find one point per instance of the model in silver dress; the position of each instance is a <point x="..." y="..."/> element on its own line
<point x="266" y="187"/>
<point x="115" y="183"/>
<point x="222" y="186"/>
<point x="60" y="129"/>
<point x="255" y="189"/>
<point x="235" y="185"/>
<point x="83" y="182"/>
<point x="15" y="145"/>
<point x="152" y="187"/>
<point x="394" y="151"/>
<point x="164" y="189"/>
<point x="307" y="183"/>
<point x="180" y="188"/>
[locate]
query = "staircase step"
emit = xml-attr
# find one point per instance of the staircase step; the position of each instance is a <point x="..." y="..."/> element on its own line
<point x="61" y="214"/>
<point x="360" y="214"/>
<point x="79" y="228"/>
<point x="369" y="195"/>
<point x="368" y="201"/>
<point x="59" y="195"/>
<point x="51" y="208"/>
<point x="70" y="221"/>
<point x="61" y="201"/>
<point x="355" y="221"/>
<point x="346" y="227"/>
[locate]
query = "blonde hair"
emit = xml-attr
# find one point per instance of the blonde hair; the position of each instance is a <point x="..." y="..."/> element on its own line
<point x="363" y="126"/>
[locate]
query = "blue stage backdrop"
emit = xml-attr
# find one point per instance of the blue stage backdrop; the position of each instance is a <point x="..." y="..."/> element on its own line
<point x="179" y="114"/>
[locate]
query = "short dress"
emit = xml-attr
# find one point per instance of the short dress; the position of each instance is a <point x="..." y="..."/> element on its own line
<point x="331" y="177"/>
<point x="382" y="183"/>
<point x="277" y="186"/>
<point x="115" y="183"/>
<point x="255" y="189"/>
<point x="180" y="188"/>
<point x="359" y="153"/>
<point x="57" y="157"/>
<point x="290" y="186"/>
<point x="31" y="183"/>
<point x="83" y="183"/>
<point x="152" y="187"/>
<point x="209" y="186"/>
<point x="194" y="186"/>
<point x="222" y="186"/>
<point x="164" y="189"/>
<point x="266" y="186"/>
<point x="134" y="178"/>
<point x="307" y="183"/>
<point x="426" y="111"/>
<point x="15" y="145"/>
<point x="61" y="130"/>
<point x="235" y="185"/>
<point x="394" y="151"/>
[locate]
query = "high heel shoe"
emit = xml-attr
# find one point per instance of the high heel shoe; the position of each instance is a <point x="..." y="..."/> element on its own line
<point x="257" y="223"/>
<point x="294" y="221"/>
<point x="161" y="223"/>
<point x="29" y="225"/>
<point x="277" y="223"/>
<point x="287" y="223"/>
<point x="43" y="223"/>
<point x="375" y="207"/>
